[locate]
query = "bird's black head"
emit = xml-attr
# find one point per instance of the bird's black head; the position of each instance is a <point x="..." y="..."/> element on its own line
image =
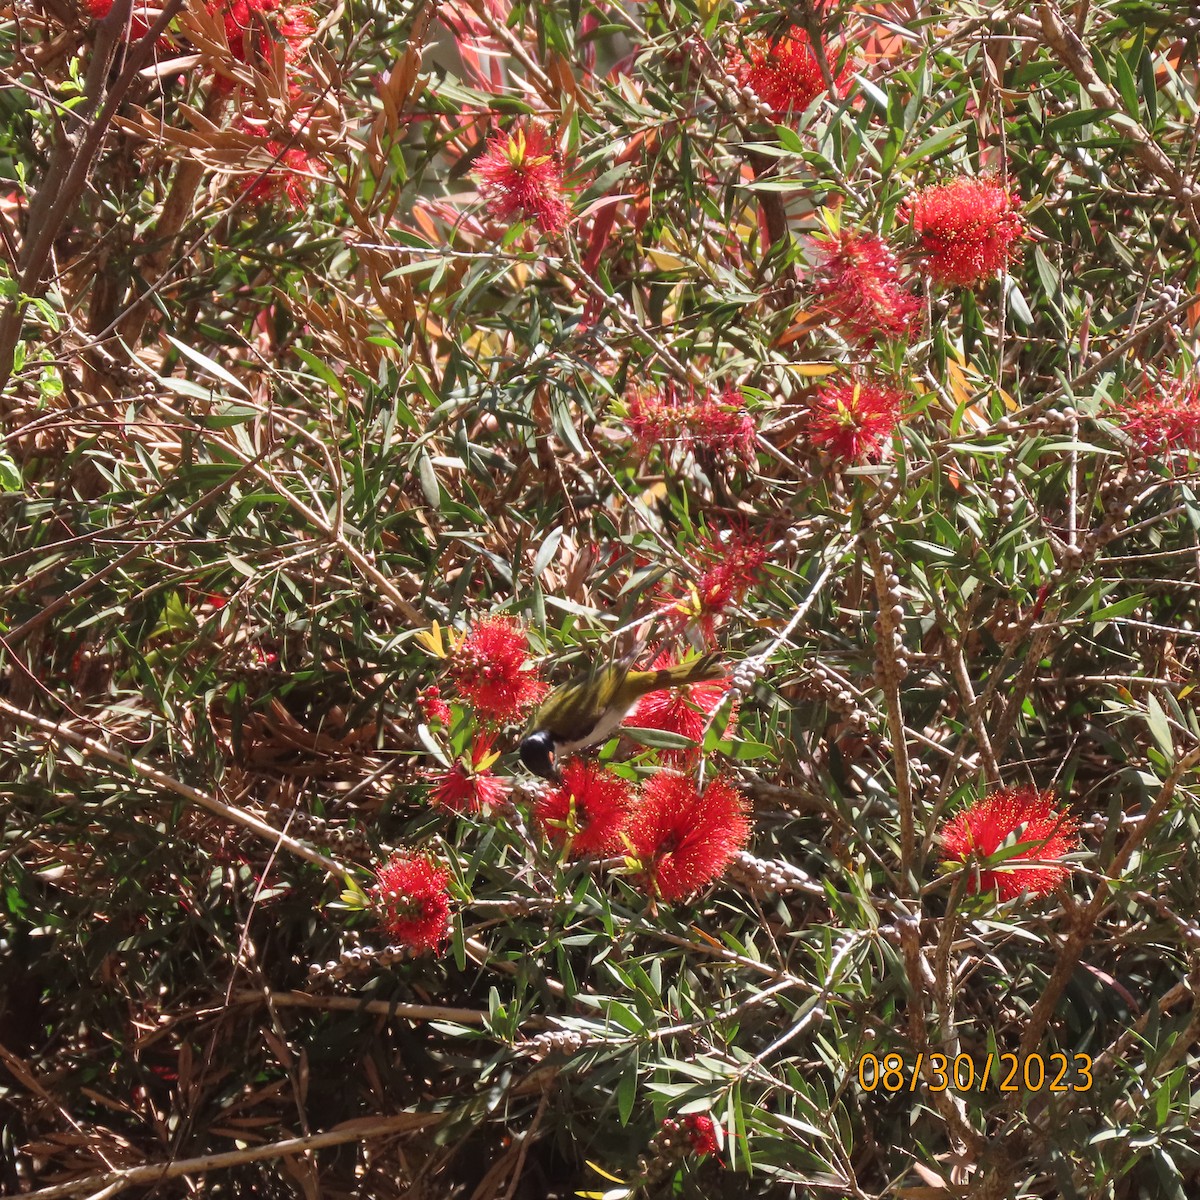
<point x="537" y="753"/>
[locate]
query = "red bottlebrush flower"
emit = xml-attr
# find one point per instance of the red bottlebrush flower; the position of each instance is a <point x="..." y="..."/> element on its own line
<point x="857" y="282"/>
<point x="685" y="838"/>
<point x="521" y="177"/>
<point x="413" y="901"/>
<point x="140" y="19"/>
<point x="433" y="707"/>
<point x="784" y="72"/>
<point x="492" y="671"/>
<point x="695" y="1132"/>
<point x="968" y="228"/>
<point x="1013" y="815"/>
<point x="850" y="420"/>
<point x="719" y="423"/>
<point x="291" y="176"/>
<point x="701" y="1134"/>
<point x="658" y="418"/>
<point x="683" y="710"/>
<point x="588" y="812"/>
<point x="252" y="25"/>
<point x="732" y="570"/>
<point x="1165" y="417"/>
<point x="470" y="788"/>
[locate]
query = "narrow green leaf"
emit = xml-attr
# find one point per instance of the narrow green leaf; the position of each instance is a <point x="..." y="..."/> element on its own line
<point x="206" y="364"/>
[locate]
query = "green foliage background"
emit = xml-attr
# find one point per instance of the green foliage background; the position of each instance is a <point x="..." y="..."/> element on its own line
<point x="349" y="421"/>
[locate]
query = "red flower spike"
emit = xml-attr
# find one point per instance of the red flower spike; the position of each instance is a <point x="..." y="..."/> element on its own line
<point x="588" y="812"/>
<point x="719" y="423"/>
<point x="521" y="178"/>
<point x="784" y="72"/>
<point x="851" y="420"/>
<point x="141" y="19"/>
<point x="251" y="29"/>
<point x="701" y="1134"/>
<point x="683" y="710"/>
<point x="684" y="838"/>
<point x="722" y="424"/>
<point x="1013" y="815"/>
<point x="968" y="229"/>
<point x="433" y="707"/>
<point x="413" y="900"/>
<point x="657" y="418"/>
<point x="492" y="671"/>
<point x="858" y="285"/>
<point x="290" y="176"/>
<point x="1165" y="417"/>
<point x="470" y="789"/>
<point x="252" y="25"/>
<point x="732" y="570"/>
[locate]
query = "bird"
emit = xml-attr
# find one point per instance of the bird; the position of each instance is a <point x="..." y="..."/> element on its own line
<point x="590" y="709"/>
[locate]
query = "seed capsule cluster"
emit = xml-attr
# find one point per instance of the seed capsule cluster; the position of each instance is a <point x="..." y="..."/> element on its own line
<point x="555" y="1041"/>
<point x="891" y="663"/>
<point x="833" y="691"/>
<point x="339" y="835"/>
<point x="761" y="876"/>
<point x="356" y="958"/>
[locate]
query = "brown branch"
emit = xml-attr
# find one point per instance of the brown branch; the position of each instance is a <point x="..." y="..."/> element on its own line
<point x="1086" y="918"/>
<point x="380" y="1008"/>
<point x="112" y="1182"/>
<point x="51" y="734"/>
<point x="1073" y="54"/>
<point x="71" y="161"/>
<point x="890" y="671"/>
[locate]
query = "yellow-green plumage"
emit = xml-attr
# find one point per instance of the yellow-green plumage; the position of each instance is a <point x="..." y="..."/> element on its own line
<point x="589" y="710"/>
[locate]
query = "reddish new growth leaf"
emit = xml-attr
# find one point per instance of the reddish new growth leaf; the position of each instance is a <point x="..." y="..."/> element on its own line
<point x="717" y="422"/>
<point x="784" y="72"/>
<point x="492" y="671"/>
<point x="521" y="178"/>
<point x="685" y="838"/>
<point x="968" y="229"/>
<point x="683" y="710"/>
<point x="1013" y="816"/>
<point x="1165" y="417"/>
<point x="858" y="284"/>
<point x="851" y="420"/>
<point x="413" y="900"/>
<point x="733" y="566"/>
<point x="291" y="176"/>
<point x="588" y="812"/>
<point x="470" y="788"/>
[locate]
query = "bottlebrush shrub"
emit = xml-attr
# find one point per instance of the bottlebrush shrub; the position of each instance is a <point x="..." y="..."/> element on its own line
<point x="599" y="331"/>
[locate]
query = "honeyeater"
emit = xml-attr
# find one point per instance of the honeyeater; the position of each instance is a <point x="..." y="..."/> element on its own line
<point x="589" y="710"/>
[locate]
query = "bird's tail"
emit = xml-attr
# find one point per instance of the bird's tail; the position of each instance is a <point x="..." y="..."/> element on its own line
<point x="694" y="670"/>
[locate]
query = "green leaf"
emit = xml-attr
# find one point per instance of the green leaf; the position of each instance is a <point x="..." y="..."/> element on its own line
<point x="1160" y="728"/>
<point x="1126" y="84"/>
<point x="658" y="739"/>
<point x="1016" y="301"/>
<point x="207" y="364"/>
<point x="10" y="474"/>
<point x="627" y="1089"/>
<point x="547" y="551"/>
